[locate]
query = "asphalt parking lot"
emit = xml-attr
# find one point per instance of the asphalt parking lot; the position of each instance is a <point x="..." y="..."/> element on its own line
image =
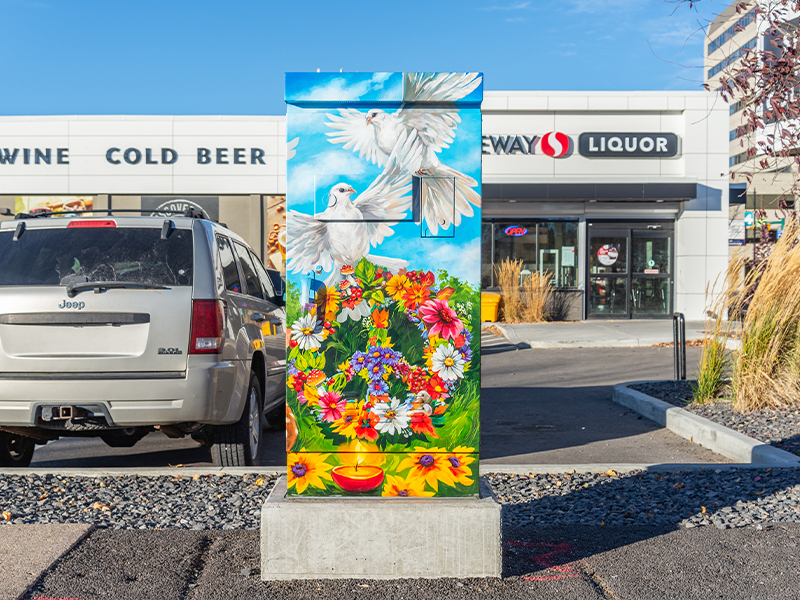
<point x="539" y="406"/>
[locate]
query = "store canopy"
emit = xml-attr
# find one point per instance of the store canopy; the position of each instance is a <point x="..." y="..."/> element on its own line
<point x="607" y="192"/>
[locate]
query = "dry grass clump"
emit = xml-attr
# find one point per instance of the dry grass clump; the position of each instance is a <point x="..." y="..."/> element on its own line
<point x="714" y="370"/>
<point x="525" y="303"/>
<point x="765" y="370"/>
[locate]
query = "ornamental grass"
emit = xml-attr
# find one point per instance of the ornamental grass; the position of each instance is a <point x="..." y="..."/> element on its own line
<point x="765" y="370"/>
<point x="525" y="298"/>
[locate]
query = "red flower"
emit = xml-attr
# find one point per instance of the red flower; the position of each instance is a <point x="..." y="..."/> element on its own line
<point x="365" y="427"/>
<point x="436" y="387"/>
<point x="421" y="423"/>
<point x="443" y="320"/>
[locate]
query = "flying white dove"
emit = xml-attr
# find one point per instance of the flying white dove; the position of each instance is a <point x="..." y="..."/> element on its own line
<point x="376" y="135"/>
<point x="346" y="230"/>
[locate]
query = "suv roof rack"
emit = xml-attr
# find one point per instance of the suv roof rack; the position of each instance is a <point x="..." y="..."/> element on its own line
<point x="37" y="213"/>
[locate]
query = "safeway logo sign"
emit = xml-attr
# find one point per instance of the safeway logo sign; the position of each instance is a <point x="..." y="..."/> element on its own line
<point x="555" y="144"/>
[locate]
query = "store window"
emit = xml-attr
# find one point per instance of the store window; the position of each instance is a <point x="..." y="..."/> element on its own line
<point x="542" y="246"/>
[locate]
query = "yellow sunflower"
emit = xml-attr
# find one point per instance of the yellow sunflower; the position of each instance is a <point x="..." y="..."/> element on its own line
<point x="428" y="465"/>
<point x="308" y="469"/>
<point x="459" y="459"/>
<point x="408" y="487"/>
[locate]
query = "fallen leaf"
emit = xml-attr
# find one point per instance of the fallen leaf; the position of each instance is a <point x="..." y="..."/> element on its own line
<point x="196" y="476"/>
<point x="43" y="496"/>
<point x="678" y="485"/>
<point x="177" y="466"/>
<point x="649" y="515"/>
<point x="703" y="508"/>
<point x="6" y="515"/>
<point x="100" y="506"/>
<point x="102" y="484"/>
<point x="611" y="473"/>
<point x="259" y="481"/>
<point x="558" y="484"/>
<point x="219" y="496"/>
<point x="757" y="479"/>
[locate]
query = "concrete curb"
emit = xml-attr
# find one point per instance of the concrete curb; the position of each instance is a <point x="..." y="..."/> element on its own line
<point x="485" y="468"/>
<point x="627" y="342"/>
<point x="699" y="430"/>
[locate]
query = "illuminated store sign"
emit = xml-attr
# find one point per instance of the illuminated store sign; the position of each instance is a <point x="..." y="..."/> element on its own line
<point x="515" y="231"/>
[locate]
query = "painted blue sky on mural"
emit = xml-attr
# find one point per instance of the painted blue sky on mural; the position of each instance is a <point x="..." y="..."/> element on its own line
<point x="316" y="162"/>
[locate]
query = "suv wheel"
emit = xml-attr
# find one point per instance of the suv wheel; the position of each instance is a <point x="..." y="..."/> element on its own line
<point x="15" y="450"/>
<point x="239" y="444"/>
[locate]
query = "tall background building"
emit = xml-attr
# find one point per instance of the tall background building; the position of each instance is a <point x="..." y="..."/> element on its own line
<point x="728" y="39"/>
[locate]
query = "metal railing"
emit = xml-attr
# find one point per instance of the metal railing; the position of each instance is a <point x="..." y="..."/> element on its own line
<point x="679" y="339"/>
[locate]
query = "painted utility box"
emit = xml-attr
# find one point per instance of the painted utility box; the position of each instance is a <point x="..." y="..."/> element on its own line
<point x="383" y="295"/>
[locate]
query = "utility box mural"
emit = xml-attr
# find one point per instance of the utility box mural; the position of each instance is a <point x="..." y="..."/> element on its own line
<point x="383" y="296"/>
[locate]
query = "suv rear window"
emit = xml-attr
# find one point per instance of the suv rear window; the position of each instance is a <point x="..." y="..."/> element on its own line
<point x="62" y="256"/>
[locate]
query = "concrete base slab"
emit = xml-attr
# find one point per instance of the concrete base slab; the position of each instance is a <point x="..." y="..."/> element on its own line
<point x="379" y="538"/>
<point x="26" y="551"/>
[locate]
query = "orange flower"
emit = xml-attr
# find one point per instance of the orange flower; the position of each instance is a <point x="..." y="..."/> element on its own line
<point x="380" y="318"/>
<point x="332" y="303"/>
<point x="421" y="423"/>
<point x="397" y="285"/>
<point x="417" y="295"/>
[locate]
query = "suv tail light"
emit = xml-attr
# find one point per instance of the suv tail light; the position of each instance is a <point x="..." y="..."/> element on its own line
<point x="106" y="223"/>
<point x="208" y="327"/>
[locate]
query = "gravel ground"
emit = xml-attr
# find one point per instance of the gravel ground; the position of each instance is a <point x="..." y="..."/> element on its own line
<point x="723" y="497"/>
<point x="779" y="427"/>
<point x="134" y="502"/>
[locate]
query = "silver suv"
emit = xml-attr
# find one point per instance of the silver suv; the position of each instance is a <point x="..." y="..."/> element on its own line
<point x="114" y="325"/>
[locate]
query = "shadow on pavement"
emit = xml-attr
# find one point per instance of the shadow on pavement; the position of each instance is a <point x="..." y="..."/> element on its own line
<point x="617" y="511"/>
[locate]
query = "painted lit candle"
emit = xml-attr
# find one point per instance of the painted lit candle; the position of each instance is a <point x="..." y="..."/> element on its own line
<point x="357" y="478"/>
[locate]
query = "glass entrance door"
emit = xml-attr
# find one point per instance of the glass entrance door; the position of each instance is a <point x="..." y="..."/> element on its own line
<point x="630" y="272"/>
<point x="608" y="273"/>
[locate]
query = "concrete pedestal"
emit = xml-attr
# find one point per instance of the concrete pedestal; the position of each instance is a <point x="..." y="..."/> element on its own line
<point x="379" y="538"/>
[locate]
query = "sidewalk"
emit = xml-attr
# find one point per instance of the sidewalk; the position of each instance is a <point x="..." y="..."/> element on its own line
<point x="596" y="334"/>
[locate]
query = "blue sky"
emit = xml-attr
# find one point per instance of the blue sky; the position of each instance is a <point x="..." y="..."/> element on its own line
<point x="229" y="57"/>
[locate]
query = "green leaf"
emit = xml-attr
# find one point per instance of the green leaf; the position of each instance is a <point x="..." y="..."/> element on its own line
<point x="365" y="271"/>
<point x="339" y="381"/>
<point x="378" y="296"/>
<point x="302" y="362"/>
<point x="317" y="362"/>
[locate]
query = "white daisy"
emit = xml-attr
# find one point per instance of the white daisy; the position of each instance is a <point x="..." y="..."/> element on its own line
<point x="307" y="332"/>
<point x="393" y="416"/>
<point x="448" y="362"/>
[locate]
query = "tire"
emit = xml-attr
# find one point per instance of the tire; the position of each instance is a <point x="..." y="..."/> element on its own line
<point x="239" y="444"/>
<point x="15" y="450"/>
<point x="123" y="438"/>
<point x="276" y="418"/>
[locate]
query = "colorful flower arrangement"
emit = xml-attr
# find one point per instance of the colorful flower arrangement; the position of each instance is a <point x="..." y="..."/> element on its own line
<point x="379" y="363"/>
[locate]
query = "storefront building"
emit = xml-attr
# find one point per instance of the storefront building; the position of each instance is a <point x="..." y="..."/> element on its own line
<point x="621" y="197"/>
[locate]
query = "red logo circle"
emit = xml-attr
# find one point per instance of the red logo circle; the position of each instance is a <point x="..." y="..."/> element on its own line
<point x="555" y="144"/>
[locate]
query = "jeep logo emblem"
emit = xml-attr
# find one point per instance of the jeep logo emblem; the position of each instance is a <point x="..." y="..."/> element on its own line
<point x="65" y="304"/>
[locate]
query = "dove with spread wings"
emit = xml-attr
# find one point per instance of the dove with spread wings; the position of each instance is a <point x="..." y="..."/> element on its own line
<point x="378" y="135"/>
<point x="346" y="230"/>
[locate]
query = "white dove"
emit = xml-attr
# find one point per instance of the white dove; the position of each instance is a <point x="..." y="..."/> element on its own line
<point x="376" y="135"/>
<point x="346" y="230"/>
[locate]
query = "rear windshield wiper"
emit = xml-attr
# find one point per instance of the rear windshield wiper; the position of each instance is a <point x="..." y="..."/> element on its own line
<point x="102" y="286"/>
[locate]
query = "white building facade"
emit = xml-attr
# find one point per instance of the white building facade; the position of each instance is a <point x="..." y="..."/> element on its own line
<point x="622" y="197"/>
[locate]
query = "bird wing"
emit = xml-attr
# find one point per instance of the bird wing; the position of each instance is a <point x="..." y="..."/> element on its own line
<point x="307" y="243"/>
<point x="351" y="129"/>
<point x="388" y="197"/>
<point x="436" y="127"/>
<point x="439" y="87"/>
